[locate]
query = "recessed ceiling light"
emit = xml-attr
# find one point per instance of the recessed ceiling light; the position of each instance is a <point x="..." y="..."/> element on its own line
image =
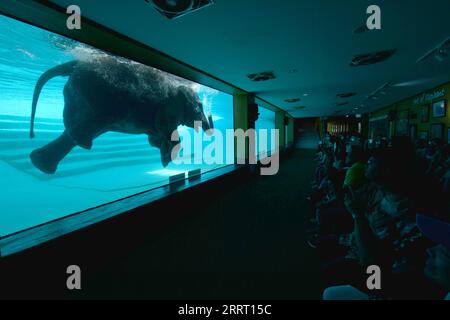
<point x="176" y="8"/>
<point x="346" y="94"/>
<point x="440" y="52"/>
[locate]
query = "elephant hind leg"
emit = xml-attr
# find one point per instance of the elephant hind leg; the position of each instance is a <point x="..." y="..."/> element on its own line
<point x="85" y="132"/>
<point x="48" y="157"/>
<point x="84" y="137"/>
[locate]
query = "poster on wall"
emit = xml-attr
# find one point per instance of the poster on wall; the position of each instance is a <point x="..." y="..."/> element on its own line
<point x="379" y="128"/>
<point x="437" y="131"/>
<point x="425" y="115"/>
<point x="403" y="123"/>
<point x="439" y="109"/>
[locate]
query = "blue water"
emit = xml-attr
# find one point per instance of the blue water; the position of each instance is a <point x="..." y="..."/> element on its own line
<point x="266" y="121"/>
<point x="118" y="165"/>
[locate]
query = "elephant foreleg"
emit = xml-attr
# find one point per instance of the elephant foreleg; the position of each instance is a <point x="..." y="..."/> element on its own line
<point x="165" y="147"/>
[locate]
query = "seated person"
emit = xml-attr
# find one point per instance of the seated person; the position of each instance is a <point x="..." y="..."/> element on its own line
<point x="324" y="183"/>
<point x="382" y="215"/>
<point x="331" y="215"/>
<point x="433" y="146"/>
<point x="438" y="164"/>
<point x="421" y="148"/>
<point x="340" y="160"/>
<point x="437" y="266"/>
<point x="355" y="175"/>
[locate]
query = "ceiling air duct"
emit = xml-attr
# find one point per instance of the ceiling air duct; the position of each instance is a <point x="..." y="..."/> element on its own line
<point x="176" y="8"/>
<point x="262" y="76"/>
<point x="293" y="100"/>
<point x="297" y="108"/>
<point x="371" y="58"/>
<point x="346" y="95"/>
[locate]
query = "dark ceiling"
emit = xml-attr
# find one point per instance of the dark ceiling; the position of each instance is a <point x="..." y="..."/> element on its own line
<point x="307" y="44"/>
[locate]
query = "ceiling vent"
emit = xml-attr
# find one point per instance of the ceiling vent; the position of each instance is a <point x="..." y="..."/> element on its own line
<point x="346" y="95"/>
<point x="371" y="58"/>
<point x="172" y="9"/>
<point x="440" y="52"/>
<point x="297" y="108"/>
<point x="293" y="100"/>
<point x="262" y="76"/>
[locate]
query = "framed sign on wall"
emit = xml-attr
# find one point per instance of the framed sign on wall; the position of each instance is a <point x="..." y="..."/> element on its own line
<point x="437" y="131"/>
<point x="425" y="114"/>
<point x="402" y="123"/>
<point x="439" y="109"/>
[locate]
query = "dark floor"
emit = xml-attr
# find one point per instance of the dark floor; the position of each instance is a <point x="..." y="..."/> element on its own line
<point x="249" y="244"/>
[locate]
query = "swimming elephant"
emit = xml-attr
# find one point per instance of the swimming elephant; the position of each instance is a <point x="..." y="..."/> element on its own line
<point x="108" y="94"/>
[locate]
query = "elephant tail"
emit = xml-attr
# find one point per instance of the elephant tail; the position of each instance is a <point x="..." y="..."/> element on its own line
<point x="63" y="70"/>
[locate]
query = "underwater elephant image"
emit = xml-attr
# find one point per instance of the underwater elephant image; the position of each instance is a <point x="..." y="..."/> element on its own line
<point x="108" y="94"/>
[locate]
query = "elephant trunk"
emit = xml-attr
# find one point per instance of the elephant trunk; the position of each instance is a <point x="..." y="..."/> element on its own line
<point x="207" y="122"/>
<point x="210" y="120"/>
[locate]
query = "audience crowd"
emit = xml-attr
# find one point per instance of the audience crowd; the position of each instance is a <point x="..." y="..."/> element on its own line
<point x="382" y="203"/>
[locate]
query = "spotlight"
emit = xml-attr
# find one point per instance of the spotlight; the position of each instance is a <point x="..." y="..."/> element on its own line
<point x="176" y="8"/>
<point x="441" y="55"/>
